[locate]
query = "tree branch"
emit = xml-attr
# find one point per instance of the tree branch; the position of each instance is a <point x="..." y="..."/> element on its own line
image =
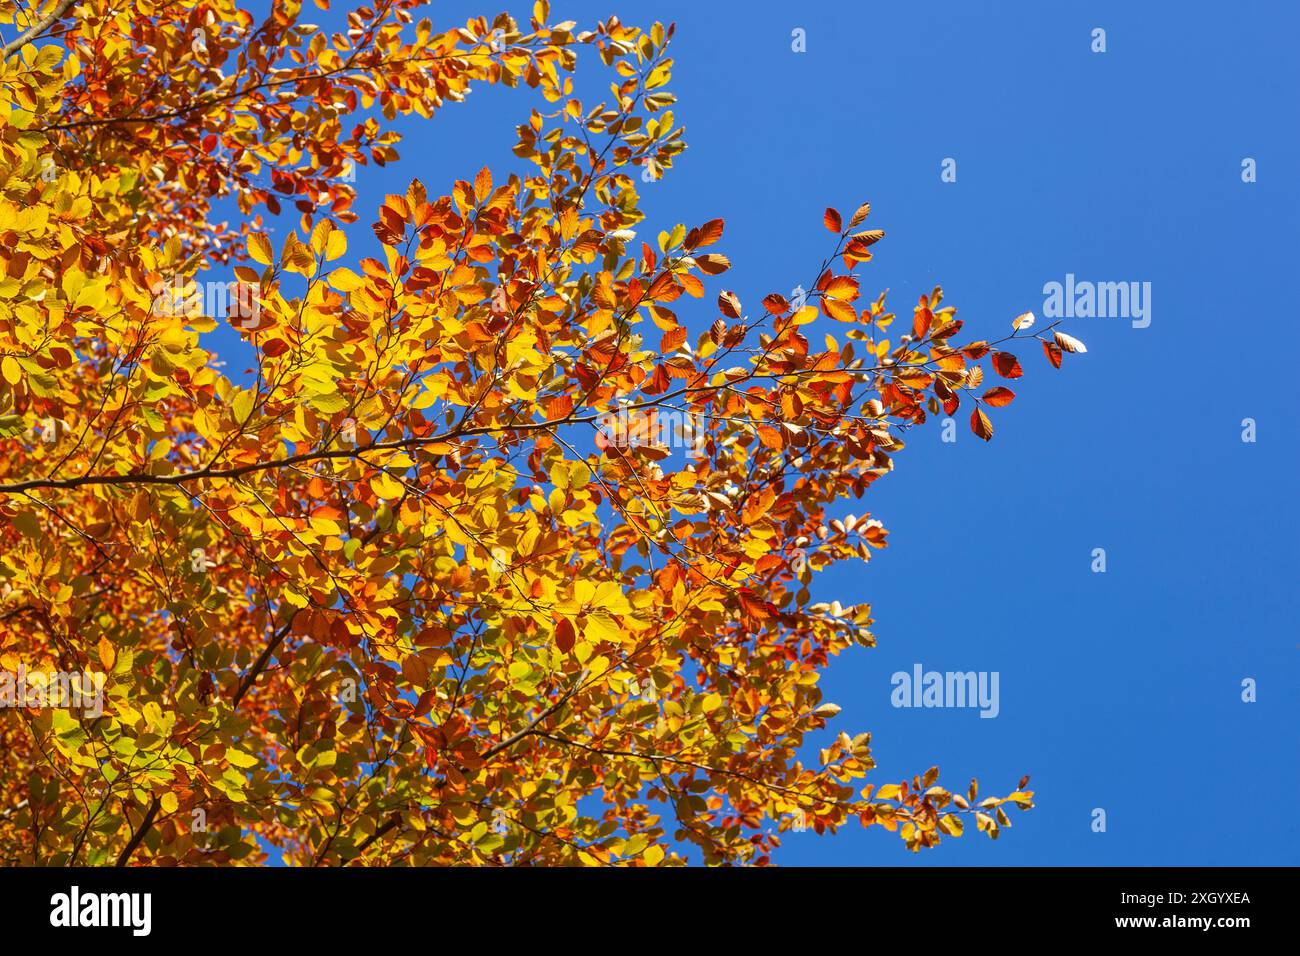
<point x="532" y="727"/>
<point x="36" y="29"/>
<point x="239" y="471"/>
<point x="262" y="660"/>
<point x="145" y="825"/>
<point x="364" y="845"/>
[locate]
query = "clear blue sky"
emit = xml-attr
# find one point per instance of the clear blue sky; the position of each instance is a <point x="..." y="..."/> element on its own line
<point x="1119" y="690"/>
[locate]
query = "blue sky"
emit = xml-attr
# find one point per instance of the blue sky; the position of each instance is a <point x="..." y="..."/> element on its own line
<point x="1119" y="690"/>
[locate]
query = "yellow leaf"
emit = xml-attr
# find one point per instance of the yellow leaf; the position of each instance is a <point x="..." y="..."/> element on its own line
<point x="320" y="236"/>
<point x="296" y="257"/>
<point x="240" y="759"/>
<point x="336" y="246"/>
<point x="602" y="627"/>
<point x="951" y="824"/>
<point x="259" y="248"/>
<point x="385" y="486"/>
<point x="345" y="280"/>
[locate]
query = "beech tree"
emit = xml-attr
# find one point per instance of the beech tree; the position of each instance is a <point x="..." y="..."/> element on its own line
<point x="503" y="548"/>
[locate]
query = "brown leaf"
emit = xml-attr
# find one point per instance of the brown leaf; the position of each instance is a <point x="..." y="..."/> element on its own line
<point x="729" y="303"/>
<point x="713" y="263"/>
<point x="1069" y="343"/>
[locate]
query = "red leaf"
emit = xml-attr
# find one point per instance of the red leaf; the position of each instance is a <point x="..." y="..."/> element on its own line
<point x="1008" y="365"/>
<point x="425" y="703"/>
<point x="1053" y="352"/>
<point x="921" y="322"/>
<point x="832" y="220"/>
<point x="564" y="635"/>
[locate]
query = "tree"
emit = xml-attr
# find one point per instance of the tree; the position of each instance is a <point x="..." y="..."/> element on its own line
<point x="491" y="556"/>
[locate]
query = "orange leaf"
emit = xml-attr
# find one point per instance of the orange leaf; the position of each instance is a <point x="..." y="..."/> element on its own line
<point x="831" y="218"/>
<point x="921" y="322"/>
<point x="483" y="184"/>
<point x="663" y="288"/>
<point x="710" y="233"/>
<point x="998" y="396"/>
<point x="980" y="424"/>
<point x="776" y="304"/>
<point x="558" y="406"/>
<point x="672" y="339"/>
<point x="770" y="437"/>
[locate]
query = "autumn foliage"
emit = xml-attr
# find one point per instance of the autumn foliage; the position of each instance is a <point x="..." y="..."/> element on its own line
<point x="428" y="583"/>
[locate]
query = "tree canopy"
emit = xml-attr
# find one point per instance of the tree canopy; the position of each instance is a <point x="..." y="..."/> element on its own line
<point x="503" y="549"/>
